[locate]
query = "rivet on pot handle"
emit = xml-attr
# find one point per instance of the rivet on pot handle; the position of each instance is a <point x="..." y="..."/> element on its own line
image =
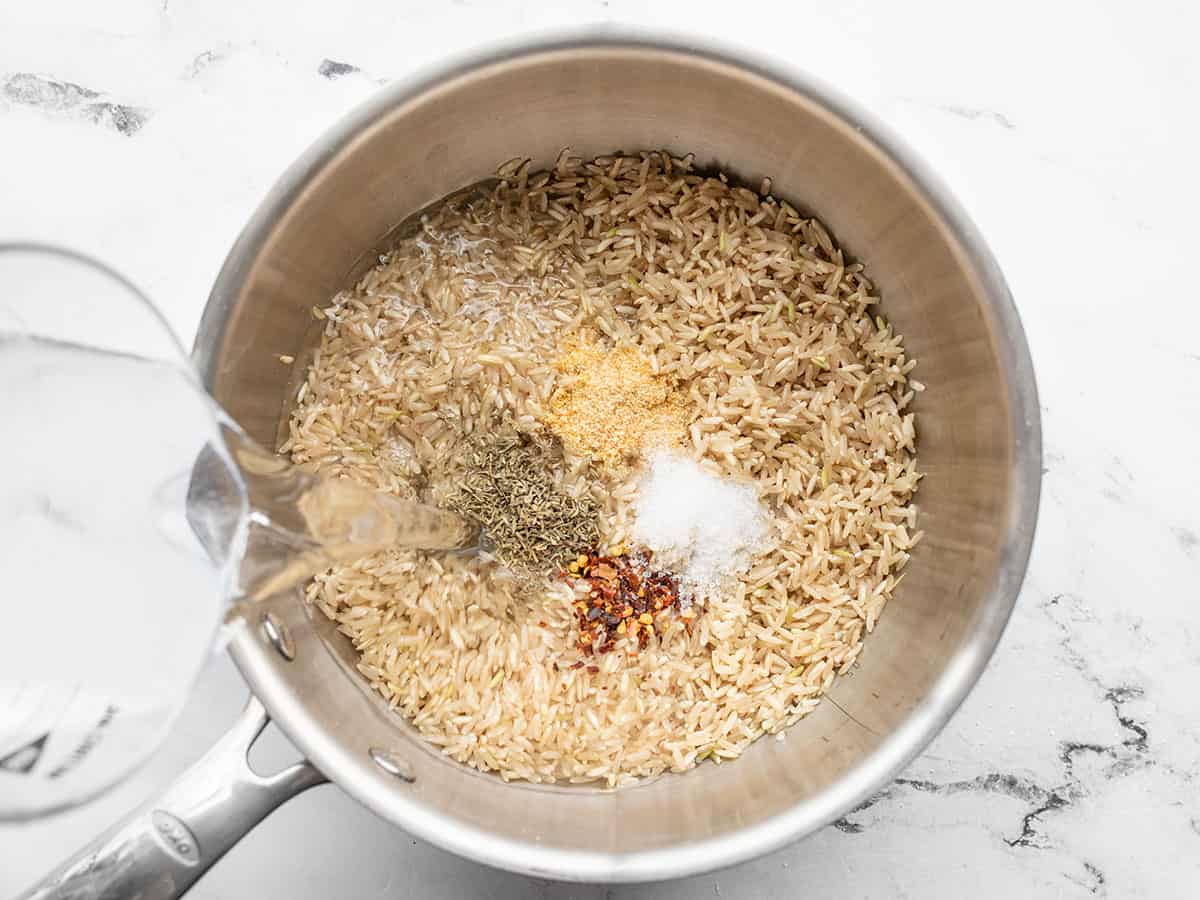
<point x="160" y="850"/>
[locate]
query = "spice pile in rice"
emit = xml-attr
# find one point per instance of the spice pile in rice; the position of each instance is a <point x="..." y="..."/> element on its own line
<point x="791" y="383"/>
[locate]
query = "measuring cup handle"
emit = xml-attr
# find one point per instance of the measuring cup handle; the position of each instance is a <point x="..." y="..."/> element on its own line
<point x="159" y="851"/>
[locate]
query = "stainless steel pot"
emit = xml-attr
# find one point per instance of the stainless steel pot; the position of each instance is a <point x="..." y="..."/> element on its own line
<point x="979" y="443"/>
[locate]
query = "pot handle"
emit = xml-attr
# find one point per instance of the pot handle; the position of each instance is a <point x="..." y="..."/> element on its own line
<point x="160" y="850"/>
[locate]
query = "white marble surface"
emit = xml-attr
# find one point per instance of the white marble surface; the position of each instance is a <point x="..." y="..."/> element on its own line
<point x="1069" y="131"/>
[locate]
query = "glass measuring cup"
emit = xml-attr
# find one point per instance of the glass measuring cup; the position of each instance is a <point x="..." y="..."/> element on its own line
<point x="113" y="601"/>
<point x="132" y="509"/>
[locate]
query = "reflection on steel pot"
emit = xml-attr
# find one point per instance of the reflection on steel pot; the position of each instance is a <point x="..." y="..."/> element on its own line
<point x="979" y="443"/>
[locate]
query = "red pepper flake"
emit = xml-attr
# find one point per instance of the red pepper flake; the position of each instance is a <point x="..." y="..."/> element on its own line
<point x="624" y="598"/>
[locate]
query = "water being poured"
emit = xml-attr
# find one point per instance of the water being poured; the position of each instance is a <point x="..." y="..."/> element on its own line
<point x="132" y="510"/>
<point x="299" y="523"/>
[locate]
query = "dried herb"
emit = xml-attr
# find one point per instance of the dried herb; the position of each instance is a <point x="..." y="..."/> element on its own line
<point x="625" y="599"/>
<point x="509" y="488"/>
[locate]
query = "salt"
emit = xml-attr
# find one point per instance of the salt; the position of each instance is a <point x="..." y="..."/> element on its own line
<point x="703" y="527"/>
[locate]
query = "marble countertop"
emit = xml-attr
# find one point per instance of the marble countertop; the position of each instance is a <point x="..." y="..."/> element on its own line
<point x="145" y="131"/>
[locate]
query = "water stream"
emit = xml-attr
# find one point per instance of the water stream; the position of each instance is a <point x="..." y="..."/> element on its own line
<point x="132" y="512"/>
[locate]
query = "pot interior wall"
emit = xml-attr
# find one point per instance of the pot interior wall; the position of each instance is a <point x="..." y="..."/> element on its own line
<point x="409" y="150"/>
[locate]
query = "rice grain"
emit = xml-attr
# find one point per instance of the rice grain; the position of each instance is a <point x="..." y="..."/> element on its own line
<point x="790" y="381"/>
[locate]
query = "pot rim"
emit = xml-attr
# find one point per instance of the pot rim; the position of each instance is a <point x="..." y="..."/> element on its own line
<point x="950" y="688"/>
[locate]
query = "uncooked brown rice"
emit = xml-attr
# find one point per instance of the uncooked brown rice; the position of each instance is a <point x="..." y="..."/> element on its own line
<point x="793" y="385"/>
